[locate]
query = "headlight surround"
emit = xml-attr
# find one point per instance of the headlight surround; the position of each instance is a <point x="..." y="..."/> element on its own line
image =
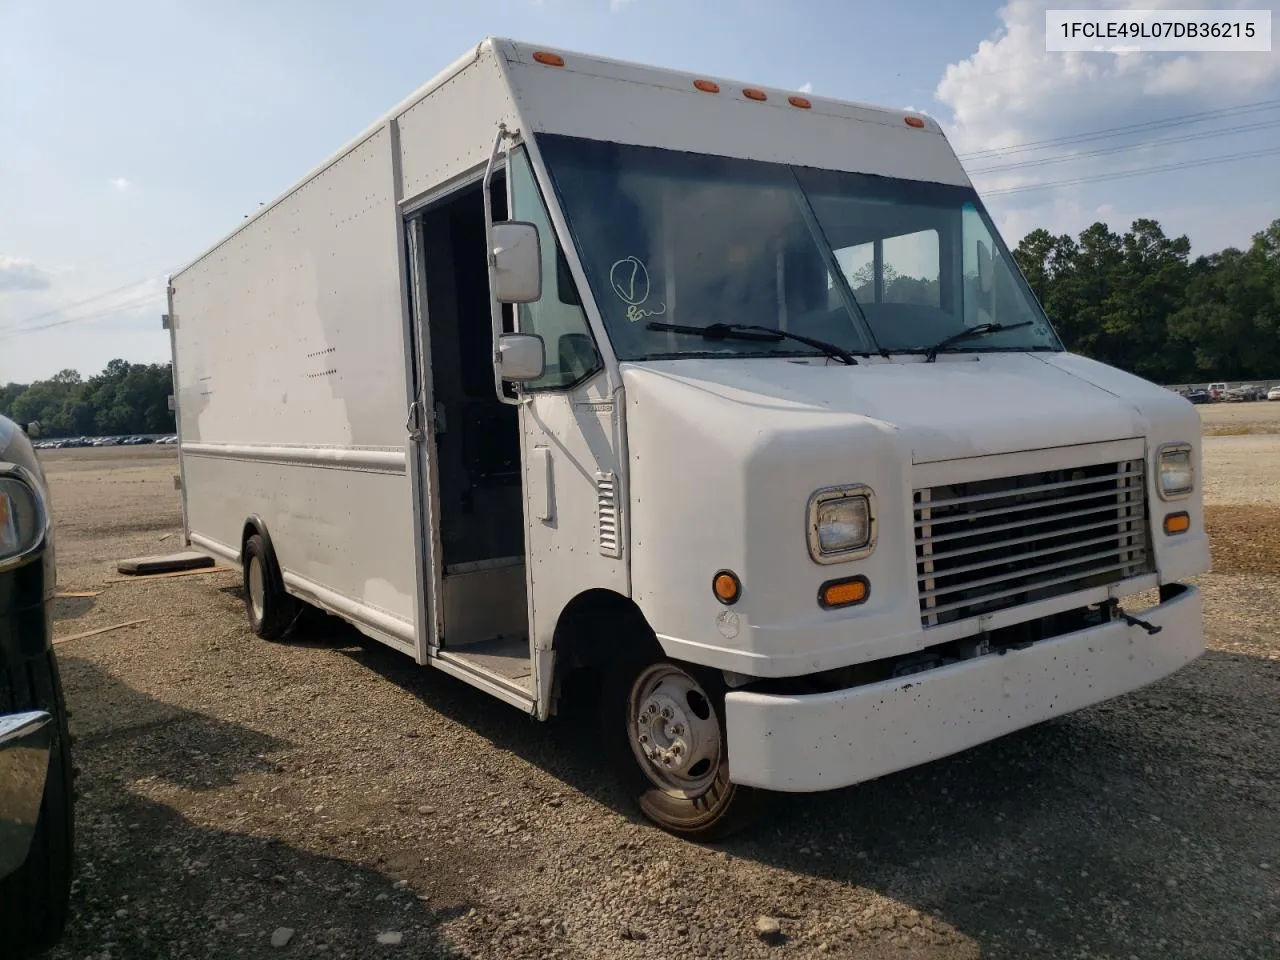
<point x="22" y="518"/>
<point x="1175" y="471"/>
<point x="841" y="524"/>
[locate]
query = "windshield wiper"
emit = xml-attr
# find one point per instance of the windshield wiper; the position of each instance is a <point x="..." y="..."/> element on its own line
<point x="747" y="331"/>
<point x="979" y="330"/>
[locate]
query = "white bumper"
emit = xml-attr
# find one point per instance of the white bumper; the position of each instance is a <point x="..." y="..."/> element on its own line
<point x="823" y="741"/>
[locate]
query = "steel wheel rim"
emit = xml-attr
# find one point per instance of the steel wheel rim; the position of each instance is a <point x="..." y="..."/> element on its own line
<point x="257" y="588"/>
<point x="674" y="731"/>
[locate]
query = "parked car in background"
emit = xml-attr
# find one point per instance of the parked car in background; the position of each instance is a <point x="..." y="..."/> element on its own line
<point x="1244" y="393"/>
<point x="36" y="818"/>
<point x="1273" y="393"/>
<point x="1198" y="395"/>
<point x="1216" y="390"/>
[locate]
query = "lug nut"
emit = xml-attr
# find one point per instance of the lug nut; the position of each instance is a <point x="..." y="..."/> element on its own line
<point x="677" y="729"/>
<point x="666" y="713"/>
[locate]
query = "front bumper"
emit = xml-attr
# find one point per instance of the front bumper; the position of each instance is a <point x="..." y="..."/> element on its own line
<point x="828" y="740"/>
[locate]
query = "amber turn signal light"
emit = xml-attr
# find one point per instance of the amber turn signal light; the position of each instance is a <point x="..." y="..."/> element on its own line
<point x="843" y="593"/>
<point x="727" y="587"/>
<point x="1177" y="523"/>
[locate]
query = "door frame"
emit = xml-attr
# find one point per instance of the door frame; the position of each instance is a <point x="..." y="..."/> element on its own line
<point x="420" y="423"/>
<point x="420" y="426"/>
<point x="420" y="455"/>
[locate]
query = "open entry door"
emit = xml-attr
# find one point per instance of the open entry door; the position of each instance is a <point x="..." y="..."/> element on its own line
<point x="468" y="444"/>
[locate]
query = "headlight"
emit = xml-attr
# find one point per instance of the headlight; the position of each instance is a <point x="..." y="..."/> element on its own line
<point x="21" y="518"/>
<point x="1177" y="472"/>
<point x="842" y="524"/>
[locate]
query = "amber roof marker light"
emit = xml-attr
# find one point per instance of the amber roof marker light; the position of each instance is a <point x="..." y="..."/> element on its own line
<point x="751" y="93"/>
<point x="706" y="86"/>
<point x="802" y="102"/>
<point x="914" y="122"/>
<point x="549" y="59"/>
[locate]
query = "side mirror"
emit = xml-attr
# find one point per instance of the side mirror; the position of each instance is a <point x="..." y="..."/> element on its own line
<point x="517" y="262"/>
<point x="32" y="429"/>
<point x="521" y="356"/>
<point x="984" y="267"/>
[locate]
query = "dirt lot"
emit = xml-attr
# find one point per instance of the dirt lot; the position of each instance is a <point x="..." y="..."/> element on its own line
<point x="233" y="788"/>
<point x="1259" y="416"/>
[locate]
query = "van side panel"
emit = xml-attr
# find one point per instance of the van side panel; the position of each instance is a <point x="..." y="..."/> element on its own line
<point x="450" y="132"/>
<point x="292" y="395"/>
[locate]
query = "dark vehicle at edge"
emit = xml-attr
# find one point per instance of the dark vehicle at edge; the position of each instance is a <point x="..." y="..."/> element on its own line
<point x="36" y="799"/>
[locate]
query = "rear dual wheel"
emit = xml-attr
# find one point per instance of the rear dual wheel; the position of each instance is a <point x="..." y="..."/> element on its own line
<point x="665" y="733"/>
<point x="270" y="608"/>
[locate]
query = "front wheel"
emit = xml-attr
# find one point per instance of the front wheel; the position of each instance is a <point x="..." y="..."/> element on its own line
<point x="664" y="730"/>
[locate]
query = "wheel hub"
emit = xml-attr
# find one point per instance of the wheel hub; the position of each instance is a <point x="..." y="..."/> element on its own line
<point x="257" y="587"/>
<point x="674" y="731"/>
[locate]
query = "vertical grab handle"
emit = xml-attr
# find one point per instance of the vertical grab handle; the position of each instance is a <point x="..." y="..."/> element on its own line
<point x="495" y="308"/>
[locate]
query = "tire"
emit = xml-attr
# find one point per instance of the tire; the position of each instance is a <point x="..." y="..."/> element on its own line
<point x="269" y="606"/>
<point x="686" y="791"/>
<point x="35" y="898"/>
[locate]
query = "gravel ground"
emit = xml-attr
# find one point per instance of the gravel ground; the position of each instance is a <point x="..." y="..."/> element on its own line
<point x="1258" y="416"/>
<point x="327" y="798"/>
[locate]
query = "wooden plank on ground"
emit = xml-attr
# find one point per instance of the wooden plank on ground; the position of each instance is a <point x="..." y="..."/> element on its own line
<point x="94" y="633"/>
<point x="184" y="560"/>
<point x="76" y="594"/>
<point x="166" y="576"/>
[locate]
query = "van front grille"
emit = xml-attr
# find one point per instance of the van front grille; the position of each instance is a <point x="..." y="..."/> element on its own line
<point x="988" y="545"/>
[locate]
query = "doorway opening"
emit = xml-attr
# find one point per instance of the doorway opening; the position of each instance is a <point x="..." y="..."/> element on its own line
<point x="476" y="446"/>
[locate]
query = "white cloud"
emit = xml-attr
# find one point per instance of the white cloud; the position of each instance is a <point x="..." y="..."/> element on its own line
<point x="18" y="273"/>
<point x="120" y="183"/>
<point x="806" y="87"/>
<point x="1011" y="91"/>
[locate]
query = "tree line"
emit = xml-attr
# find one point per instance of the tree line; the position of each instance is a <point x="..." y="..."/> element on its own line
<point x="125" y="398"/>
<point x="1134" y="300"/>
<point x="1137" y="301"/>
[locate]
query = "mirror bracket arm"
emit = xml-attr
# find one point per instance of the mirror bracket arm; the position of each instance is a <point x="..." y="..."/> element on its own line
<point x="495" y="308"/>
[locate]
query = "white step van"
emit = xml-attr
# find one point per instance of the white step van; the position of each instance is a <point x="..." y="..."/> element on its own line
<point x="730" y="395"/>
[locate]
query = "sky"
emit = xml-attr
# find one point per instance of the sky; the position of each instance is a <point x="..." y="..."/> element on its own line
<point x="135" y="134"/>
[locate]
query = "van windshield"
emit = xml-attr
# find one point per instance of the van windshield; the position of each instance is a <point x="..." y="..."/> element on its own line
<point x="870" y="264"/>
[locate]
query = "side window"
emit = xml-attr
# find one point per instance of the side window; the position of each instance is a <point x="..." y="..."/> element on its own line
<point x="558" y="317"/>
<point x="909" y="270"/>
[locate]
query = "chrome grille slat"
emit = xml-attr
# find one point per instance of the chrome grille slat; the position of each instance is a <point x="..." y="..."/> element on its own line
<point x="1024" y="573"/>
<point x="1017" y="541"/>
<point x="1068" y="579"/>
<point x="1041" y="488"/>
<point x="1048" y="551"/>
<point x="992" y="544"/>
<point x="1106" y="494"/>
<point x="1107" y="508"/>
